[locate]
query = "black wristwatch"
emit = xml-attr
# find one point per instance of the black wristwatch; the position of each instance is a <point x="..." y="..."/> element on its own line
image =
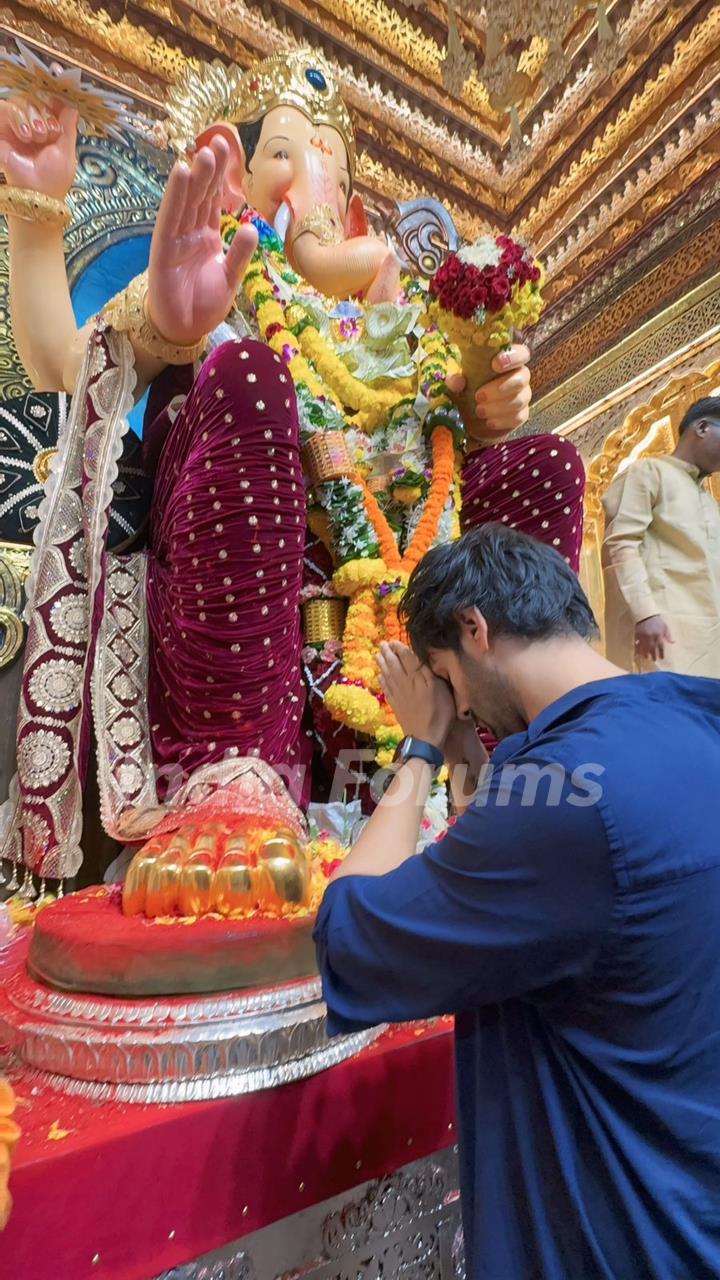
<point x="416" y="749"/>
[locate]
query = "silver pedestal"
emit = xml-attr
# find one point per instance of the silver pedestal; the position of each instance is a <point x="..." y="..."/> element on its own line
<point x="172" y="1050"/>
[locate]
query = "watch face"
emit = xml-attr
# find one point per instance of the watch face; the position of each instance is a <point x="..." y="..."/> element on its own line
<point x="401" y="751"/>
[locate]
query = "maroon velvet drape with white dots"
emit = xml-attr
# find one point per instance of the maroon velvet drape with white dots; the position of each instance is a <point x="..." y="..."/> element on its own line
<point x="225" y="570"/>
<point x="535" y="484"/>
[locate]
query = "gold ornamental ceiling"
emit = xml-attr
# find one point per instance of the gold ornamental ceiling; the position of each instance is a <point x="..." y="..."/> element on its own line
<point x="591" y="158"/>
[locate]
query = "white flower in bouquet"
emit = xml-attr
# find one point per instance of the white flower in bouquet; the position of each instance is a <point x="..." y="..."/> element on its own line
<point x="484" y="252"/>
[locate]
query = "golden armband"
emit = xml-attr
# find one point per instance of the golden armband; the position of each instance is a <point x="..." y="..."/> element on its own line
<point x="34" y="206"/>
<point x="127" y="313"/>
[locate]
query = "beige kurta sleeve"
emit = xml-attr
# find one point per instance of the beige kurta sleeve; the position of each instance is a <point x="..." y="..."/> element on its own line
<point x="628" y="507"/>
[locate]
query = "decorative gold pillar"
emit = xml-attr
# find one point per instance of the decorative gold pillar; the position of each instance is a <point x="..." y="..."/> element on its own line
<point x="650" y="430"/>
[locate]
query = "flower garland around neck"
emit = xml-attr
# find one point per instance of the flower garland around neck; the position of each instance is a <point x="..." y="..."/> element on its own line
<point x="375" y="586"/>
<point x="289" y="331"/>
<point x="371" y="570"/>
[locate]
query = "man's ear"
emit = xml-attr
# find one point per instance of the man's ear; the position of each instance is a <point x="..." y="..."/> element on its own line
<point x="474" y="632"/>
<point x="234" y="189"/>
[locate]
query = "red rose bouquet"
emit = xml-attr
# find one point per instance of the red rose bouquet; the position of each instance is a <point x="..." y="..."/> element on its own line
<point x="481" y="295"/>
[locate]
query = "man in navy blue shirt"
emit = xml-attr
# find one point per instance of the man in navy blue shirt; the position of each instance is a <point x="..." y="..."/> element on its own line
<point x="570" y="919"/>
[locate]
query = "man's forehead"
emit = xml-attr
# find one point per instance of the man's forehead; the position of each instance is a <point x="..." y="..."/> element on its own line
<point x="436" y="661"/>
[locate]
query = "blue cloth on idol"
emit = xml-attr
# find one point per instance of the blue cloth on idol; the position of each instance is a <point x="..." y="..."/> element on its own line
<point x="579" y="944"/>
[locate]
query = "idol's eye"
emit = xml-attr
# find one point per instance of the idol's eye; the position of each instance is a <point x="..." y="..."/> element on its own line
<point x="281" y="155"/>
<point x="343" y="187"/>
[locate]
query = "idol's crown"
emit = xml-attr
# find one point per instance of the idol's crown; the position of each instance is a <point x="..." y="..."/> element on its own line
<point x="214" y="91"/>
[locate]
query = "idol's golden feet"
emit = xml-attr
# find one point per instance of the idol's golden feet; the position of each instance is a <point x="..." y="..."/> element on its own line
<point x="215" y="868"/>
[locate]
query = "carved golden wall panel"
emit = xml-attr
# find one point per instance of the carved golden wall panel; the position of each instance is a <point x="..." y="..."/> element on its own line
<point x="664" y="144"/>
<point x="688" y="55"/>
<point x="236" y="15"/>
<point x="587" y="94"/>
<point x="693" y="262"/>
<point x="14" y="22"/>
<point x="388" y="31"/>
<point x="683" y="222"/>
<point x="377" y="110"/>
<point x="680" y="177"/>
<point x="121" y="38"/>
<point x="374" y="175"/>
<point x="441" y="170"/>
<point x="681" y="339"/>
<point x="581" y="110"/>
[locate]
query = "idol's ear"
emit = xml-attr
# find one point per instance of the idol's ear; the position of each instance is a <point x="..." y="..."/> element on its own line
<point x="234" y="191"/>
<point x="356" y="223"/>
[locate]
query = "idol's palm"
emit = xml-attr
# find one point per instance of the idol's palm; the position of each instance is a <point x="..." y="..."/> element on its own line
<point x="192" y="282"/>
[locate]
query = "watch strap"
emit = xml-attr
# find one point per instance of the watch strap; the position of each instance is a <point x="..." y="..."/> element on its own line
<point x="416" y="749"/>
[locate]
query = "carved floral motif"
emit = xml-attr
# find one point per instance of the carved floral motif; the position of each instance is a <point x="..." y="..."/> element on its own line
<point x="662" y="285"/>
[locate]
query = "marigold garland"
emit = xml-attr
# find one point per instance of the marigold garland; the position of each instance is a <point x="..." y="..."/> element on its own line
<point x="348" y="390"/>
<point x="344" y="700"/>
<point x="271" y="319"/>
<point x="373" y="581"/>
<point x="355" y="575"/>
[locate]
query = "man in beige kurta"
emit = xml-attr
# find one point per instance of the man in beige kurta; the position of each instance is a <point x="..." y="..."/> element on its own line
<point x="661" y="555"/>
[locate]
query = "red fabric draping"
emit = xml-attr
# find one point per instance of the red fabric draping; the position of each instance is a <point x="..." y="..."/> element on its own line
<point x="534" y="484"/>
<point x="225" y="570"/>
<point x="147" y="1188"/>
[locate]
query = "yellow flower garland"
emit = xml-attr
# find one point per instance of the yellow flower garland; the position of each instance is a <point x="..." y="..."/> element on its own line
<point x="357" y="704"/>
<point x="330" y="367"/>
<point x="270" y="312"/>
<point x="357" y="701"/>
<point x="355" y="575"/>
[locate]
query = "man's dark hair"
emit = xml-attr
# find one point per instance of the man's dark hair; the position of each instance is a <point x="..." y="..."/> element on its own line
<point x="522" y="587"/>
<point x="708" y="408"/>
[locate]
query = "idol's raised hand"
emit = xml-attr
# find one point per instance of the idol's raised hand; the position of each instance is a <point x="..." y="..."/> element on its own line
<point x="37" y="145"/>
<point x="191" y="281"/>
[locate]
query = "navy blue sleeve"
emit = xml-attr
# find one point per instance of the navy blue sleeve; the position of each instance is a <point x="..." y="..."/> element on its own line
<point x="516" y="896"/>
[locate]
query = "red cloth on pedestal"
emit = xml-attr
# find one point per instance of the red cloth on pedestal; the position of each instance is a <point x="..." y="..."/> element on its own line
<point x="147" y="1188"/>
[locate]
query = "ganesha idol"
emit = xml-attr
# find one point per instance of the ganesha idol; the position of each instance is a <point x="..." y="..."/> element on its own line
<point x="310" y="434"/>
